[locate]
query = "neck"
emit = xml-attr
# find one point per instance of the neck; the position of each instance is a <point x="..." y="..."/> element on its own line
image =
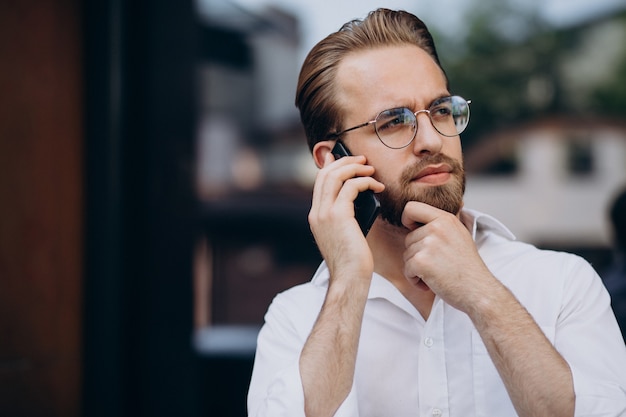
<point x="387" y="245"/>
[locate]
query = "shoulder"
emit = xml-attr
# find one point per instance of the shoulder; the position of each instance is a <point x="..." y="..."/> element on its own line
<point x="309" y="293"/>
<point x="531" y="271"/>
<point x="297" y="307"/>
<point x="498" y="245"/>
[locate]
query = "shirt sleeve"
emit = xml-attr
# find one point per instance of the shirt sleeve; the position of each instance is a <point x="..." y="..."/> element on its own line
<point x="589" y="339"/>
<point x="276" y="386"/>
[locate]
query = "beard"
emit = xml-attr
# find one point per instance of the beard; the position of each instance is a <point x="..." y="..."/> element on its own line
<point x="448" y="197"/>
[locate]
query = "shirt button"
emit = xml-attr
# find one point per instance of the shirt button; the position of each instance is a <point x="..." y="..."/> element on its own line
<point x="428" y="342"/>
<point x="437" y="412"/>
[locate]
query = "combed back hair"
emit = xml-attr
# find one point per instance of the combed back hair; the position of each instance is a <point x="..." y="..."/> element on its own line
<point x="315" y="95"/>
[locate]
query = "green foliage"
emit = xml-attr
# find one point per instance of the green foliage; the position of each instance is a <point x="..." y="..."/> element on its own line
<point x="513" y="65"/>
<point x="610" y="98"/>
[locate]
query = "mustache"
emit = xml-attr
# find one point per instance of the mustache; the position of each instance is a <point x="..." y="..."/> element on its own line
<point x="436" y="159"/>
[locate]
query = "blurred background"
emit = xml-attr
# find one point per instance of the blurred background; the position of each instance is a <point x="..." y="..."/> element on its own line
<point x="155" y="180"/>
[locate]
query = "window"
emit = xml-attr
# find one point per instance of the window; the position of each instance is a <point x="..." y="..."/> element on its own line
<point x="580" y="161"/>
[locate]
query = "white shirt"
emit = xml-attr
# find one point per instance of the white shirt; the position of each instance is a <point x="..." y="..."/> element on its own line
<point x="408" y="366"/>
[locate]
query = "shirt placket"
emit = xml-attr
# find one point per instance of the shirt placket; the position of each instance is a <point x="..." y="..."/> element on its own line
<point x="432" y="378"/>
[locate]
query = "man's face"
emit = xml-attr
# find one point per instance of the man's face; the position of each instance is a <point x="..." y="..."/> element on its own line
<point x="430" y="169"/>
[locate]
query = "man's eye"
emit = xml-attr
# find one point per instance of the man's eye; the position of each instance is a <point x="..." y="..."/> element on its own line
<point x="441" y="112"/>
<point x="394" y="120"/>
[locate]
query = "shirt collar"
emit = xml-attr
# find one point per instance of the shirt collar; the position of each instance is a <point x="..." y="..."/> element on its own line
<point x="479" y="223"/>
<point x="380" y="287"/>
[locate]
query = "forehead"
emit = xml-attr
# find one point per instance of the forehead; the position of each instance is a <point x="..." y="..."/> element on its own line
<point x="372" y="80"/>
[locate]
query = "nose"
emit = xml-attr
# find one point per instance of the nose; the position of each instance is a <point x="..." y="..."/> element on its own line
<point x="427" y="140"/>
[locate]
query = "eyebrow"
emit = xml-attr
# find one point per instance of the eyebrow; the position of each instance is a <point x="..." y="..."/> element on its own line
<point x="413" y="106"/>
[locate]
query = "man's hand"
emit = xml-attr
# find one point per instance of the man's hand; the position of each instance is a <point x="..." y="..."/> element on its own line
<point x="332" y="220"/>
<point x="441" y="253"/>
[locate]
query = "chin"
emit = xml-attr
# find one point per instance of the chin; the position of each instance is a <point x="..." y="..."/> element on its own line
<point x="448" y="197"/>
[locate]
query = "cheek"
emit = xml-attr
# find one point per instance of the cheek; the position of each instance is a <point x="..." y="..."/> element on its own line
<point x="454" y="150"/>
<point x="388" y="170"/>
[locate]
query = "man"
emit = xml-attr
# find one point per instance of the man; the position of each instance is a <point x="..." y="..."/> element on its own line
<point x="438" y="312"/>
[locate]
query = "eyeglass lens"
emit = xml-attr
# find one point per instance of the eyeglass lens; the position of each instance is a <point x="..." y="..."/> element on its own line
<point x="396" y="127"/>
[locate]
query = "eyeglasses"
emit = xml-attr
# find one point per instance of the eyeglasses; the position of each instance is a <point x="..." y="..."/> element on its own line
<point x="396" y="128"/>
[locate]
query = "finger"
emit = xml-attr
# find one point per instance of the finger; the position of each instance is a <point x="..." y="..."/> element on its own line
<point x="416" y="214"/>
<point x="352" y="159"/>
<point x="337" y="183"/>
<point x="335" y="175"/>
<point x="353" y="186"/>
<point x="329" y="158"/>
<point x="330" y="173"/>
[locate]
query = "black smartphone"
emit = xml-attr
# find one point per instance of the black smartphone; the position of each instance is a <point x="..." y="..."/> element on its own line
<point x="366" y="205"/>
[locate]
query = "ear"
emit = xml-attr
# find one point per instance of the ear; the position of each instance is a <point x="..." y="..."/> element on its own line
<point x="320" y="150"/>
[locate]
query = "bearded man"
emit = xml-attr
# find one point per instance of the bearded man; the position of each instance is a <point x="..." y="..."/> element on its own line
<point x="438" y="311"/>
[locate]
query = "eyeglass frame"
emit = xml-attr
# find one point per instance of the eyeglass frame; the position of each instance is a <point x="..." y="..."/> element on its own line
<point x="334" y="136"/>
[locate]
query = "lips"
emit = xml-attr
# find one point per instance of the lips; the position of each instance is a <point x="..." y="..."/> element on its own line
<point x="433" y="172"/>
